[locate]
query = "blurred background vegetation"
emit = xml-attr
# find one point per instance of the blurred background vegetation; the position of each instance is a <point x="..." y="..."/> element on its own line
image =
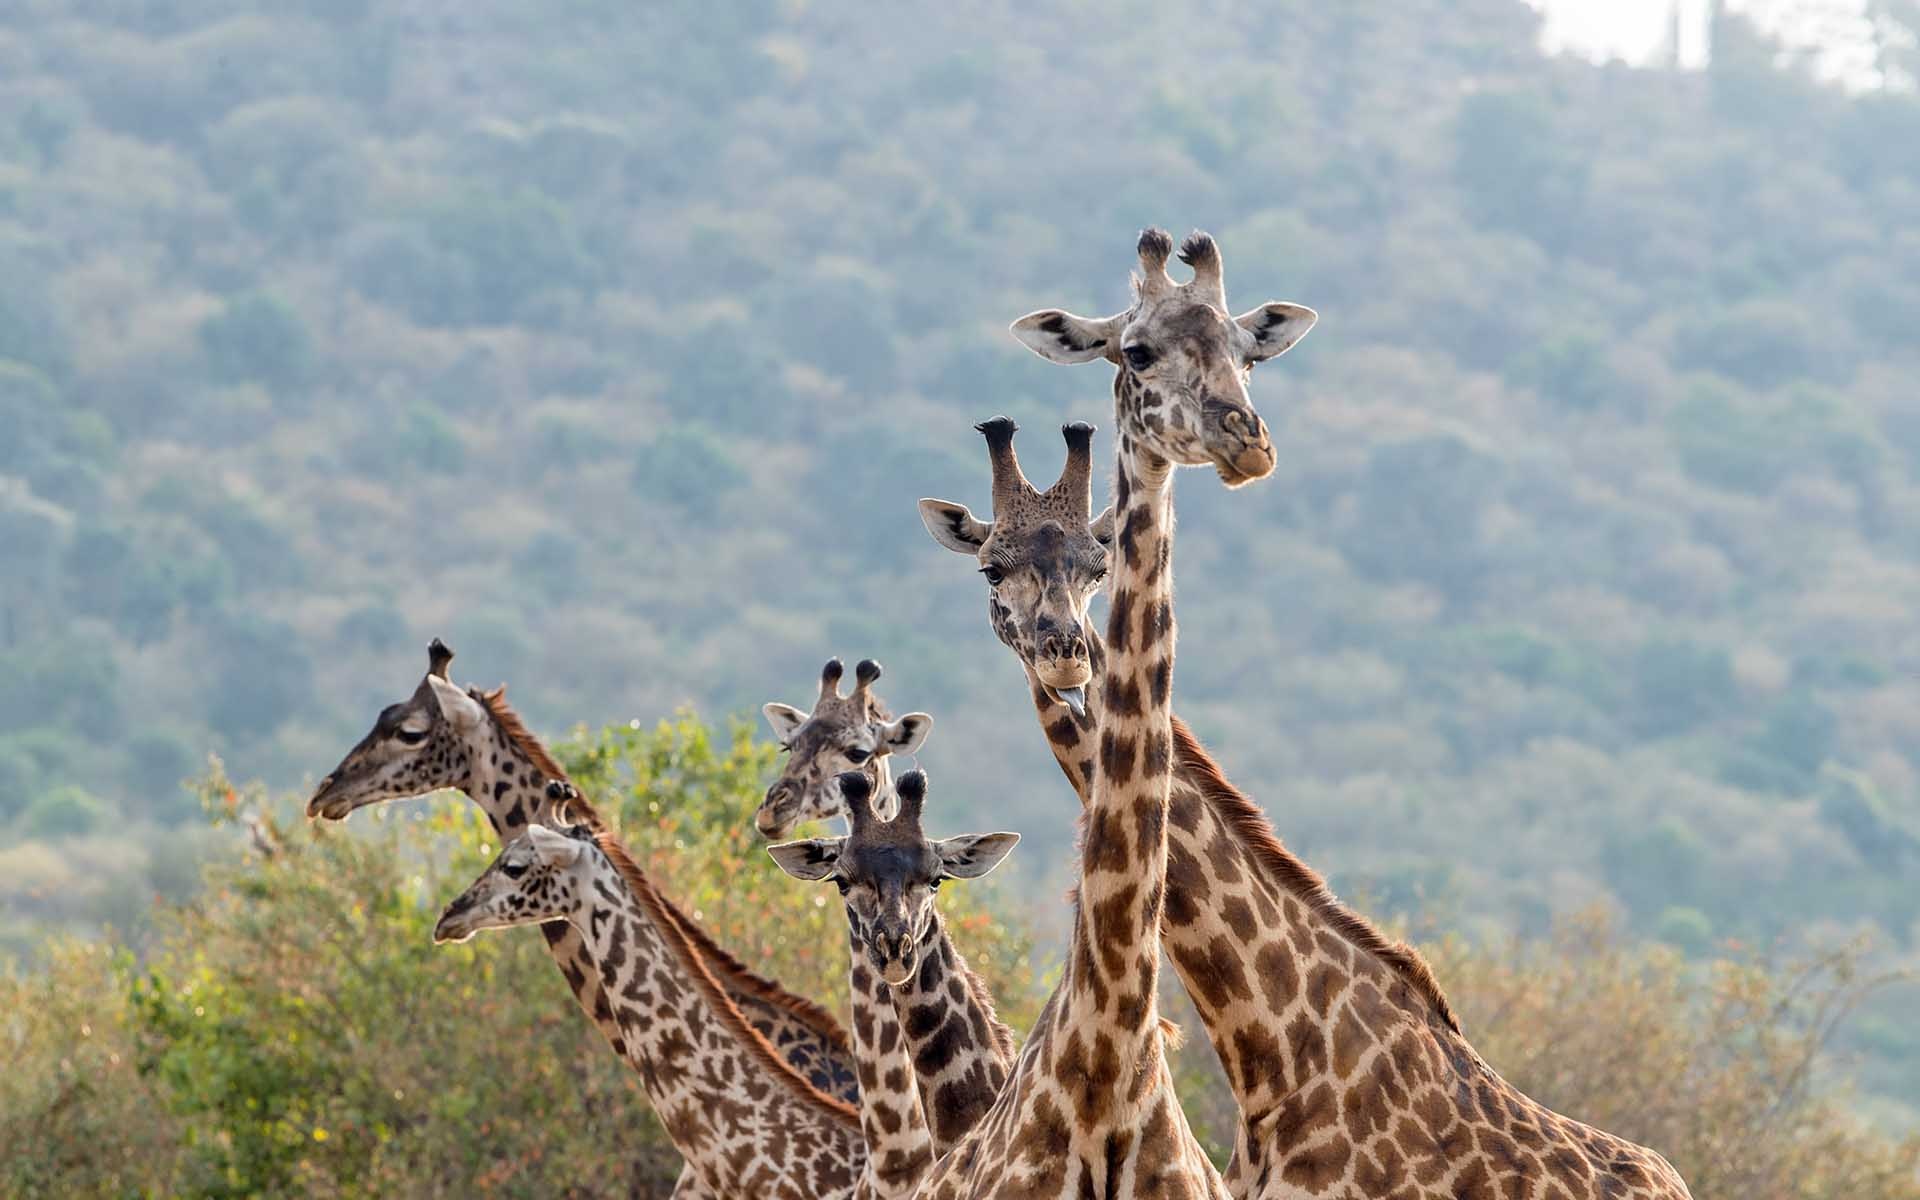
<point x="614" y="344"/>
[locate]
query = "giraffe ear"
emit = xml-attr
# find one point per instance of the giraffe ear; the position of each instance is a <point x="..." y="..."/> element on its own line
<point x="812" y="859"/>
<point x="1275" y="327"/>
<point x="1102" y="527"/>
<point x="1061" y="337"/>
<point x="954" y="527"/>
<point x="907" y="734"/>
<point x="462" y="711"/>
<point x="971" y="855"/>
<point x="555" y="848"/>
<point x="784" y="719"/>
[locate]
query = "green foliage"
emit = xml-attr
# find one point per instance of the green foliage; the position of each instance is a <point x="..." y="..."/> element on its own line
<point x="68" y="684"/>
<point x="378" y="627"/>
<point x="1419" y="512"/>
<point x="294" y="1031"/>
<point x="1853" y="804"/>
<point x="1517" y="169"/>
<point x="477" y="256"/>
<point x="258" y="338"/>
<point x="19" y="780"/>
<point x="1574" y="371"/>
<point x="1713" y="1065"/>
<point x="1678" y="683"/>
<point x="28" y="404"/>
<point x="257" y="675"/>
<point x="1662" y="862"/>
<point x="682" y="465"/>
<point x="62" y="810"/>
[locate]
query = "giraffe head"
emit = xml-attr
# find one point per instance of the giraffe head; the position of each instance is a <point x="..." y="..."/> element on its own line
<point x="842" y="733"/>
<point x="887" y="871"/>
<point x="1043" y="555"/>
<point x="417" y="746"/>
<point x="1183" y="360"/>
<point x="540" y="876"/>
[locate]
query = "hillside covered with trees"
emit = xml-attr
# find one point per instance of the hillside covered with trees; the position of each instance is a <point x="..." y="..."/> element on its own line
<point x="614" y="344"/>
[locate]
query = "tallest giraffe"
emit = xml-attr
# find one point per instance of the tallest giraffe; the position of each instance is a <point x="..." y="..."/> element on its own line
<point x="1351" y="1075"/>
<point x="1091" y="1107"/>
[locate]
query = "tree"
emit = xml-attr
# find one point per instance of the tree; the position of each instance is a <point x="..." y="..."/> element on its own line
<point x="258" y="338"/>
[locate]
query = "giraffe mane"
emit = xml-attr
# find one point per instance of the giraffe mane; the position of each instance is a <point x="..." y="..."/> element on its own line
<point x="517" y="732"/>
<point x="698" y="940"/>
<point x="1297" y="877"/>
<point x="673" y="931"/>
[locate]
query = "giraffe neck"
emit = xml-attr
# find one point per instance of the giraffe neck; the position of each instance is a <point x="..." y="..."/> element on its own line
<point x="1091" y="1108"/>
<point x="962" y="1054"/>
<point x="505" y="783"/>
<point x="737" y="1128"/>
<point x="892" y="1118"/>
<point x="1115" y="961"/>
<point x="1232" y="922"/>
<point x="511" y="790"/>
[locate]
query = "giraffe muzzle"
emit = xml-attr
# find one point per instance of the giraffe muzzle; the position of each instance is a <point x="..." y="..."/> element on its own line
<point x="455" y="924"/>
<point x="778" y="813"/>
<point x="1238" y="442"/>
<point x="325" y="804"/>
<point x="893" y="958"/>
<point x="1063" y="663"/>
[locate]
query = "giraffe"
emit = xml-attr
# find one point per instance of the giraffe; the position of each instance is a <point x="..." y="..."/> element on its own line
<point x="444" y="736"/>
<point x="1348" y="1065"/>
<point x="1091" y="1108"/>
<point x="745" y="1121"/>
<point x="887" y="873"/>
<point x="843" y="733"/>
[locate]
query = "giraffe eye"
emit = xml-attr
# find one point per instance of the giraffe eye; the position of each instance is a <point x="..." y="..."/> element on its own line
<point x="995" y="576"/>
<point x="412" y="737"/>
<point x="513" y="870"/>
<point x="1138" y="357"/>
<point x="858" y="755"/>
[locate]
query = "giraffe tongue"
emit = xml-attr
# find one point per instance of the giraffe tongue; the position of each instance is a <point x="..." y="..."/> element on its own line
<point x="1074" y="698"/>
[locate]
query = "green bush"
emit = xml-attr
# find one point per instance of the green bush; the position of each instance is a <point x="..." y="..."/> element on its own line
<point x="1714" y="1065"/>
<point x="1679" y="683"/>
<point x="19" y="780"/>
<point x="685" y="466"/>
<point x="63" y="810"/>
<point x="294" y="1031"/>
<point x="258" y="338"/>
